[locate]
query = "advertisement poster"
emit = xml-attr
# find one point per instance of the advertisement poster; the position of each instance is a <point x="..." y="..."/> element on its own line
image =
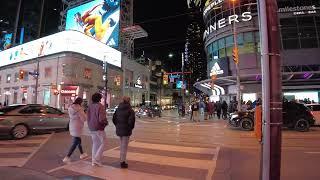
<point x="65" y="41"/>
<point x="98" y="19"/>
<point x="6" y="42"/>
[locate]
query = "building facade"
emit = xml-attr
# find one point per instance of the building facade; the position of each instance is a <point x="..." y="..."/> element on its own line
<point x="299" y="25"/>
<point x="69" y="64"/>
<point x="194" y="55"/>
<point x="136" y="81"/>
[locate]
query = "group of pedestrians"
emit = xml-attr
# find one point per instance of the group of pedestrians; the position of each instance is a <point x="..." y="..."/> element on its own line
<point x="123" y="119"/>
<point x="203" y="110"/>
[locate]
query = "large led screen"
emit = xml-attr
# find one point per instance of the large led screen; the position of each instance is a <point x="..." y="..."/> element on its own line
<point x="6" y="42"/>
<point x="66" y="41"/>
<point x="99" y="19"/>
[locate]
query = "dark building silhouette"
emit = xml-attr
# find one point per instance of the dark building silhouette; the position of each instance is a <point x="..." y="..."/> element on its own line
<point x="194" y="55"/>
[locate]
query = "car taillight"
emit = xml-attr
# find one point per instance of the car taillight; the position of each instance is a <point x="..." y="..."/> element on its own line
<point x="1" y="118"/>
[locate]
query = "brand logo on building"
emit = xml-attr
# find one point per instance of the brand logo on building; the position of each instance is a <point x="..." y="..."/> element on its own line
<point x="69" y="91"/>
<point x="299" y="10"/>
<point x="209" y="5"/>
<point x="246" y="16"/>
<point x="216" y="70"/>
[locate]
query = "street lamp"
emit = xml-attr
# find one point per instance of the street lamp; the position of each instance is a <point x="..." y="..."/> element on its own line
<point x="170" y="55"/>
<point x="236" y="57"/>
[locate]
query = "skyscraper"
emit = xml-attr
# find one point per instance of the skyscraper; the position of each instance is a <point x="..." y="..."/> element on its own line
<point x="194" y="54"/>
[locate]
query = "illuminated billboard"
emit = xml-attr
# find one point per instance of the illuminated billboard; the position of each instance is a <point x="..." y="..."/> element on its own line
<point x="99" y="19"/>
<point x="6" y="42"/>
<point x="65" y="41"/>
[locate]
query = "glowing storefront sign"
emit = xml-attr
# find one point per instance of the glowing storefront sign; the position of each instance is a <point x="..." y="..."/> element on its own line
<point x="216" y="70"/>
<point x="246" y="16"/>
<point x="99" y="19"/>
<point x="66" y="41"/>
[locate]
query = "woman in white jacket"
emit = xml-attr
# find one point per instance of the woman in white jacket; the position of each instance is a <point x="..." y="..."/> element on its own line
<point x="77" y="119"/>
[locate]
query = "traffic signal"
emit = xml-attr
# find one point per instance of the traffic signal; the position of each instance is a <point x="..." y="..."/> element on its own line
<point x="55" y="92"/>
<point x="235" y="55"/>
<point x="21" y="74"/>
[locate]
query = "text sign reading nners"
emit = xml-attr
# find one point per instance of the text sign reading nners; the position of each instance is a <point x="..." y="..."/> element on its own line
<point x="65" y="41"/>
<point x="246" y="16"/>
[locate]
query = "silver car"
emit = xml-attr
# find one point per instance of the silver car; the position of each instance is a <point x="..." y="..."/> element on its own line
<point x="20" y="120"/>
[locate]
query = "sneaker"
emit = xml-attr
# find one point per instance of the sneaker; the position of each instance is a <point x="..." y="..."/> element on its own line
<point x="96" y="164"/>
<point x="124" y="165"/>
<point x="83" y="156"/>
<point x="66" y="160"/>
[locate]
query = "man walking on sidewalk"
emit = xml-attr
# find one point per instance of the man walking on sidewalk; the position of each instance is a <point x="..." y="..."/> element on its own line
<point x="124" y="120"/>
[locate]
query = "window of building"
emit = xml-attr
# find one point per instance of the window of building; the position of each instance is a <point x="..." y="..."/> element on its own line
<point x="47" y="72"/>
<point x="290" y="43"/>
<point x="16" y="77"/>
<point x="87" y="73"/>
<point x="248" y="37"/>
<point x="229" y="41"/>
<point x="221" y="43"/>
<point x="8" y="78"/>
<point x="26" y="76"/>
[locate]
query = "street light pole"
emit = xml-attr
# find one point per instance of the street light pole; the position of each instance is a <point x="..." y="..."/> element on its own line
<point x="105" y="83"/>
<point x="183" y="87"/>
<point x="236" y="63"/>
<point x="38" y="61"/>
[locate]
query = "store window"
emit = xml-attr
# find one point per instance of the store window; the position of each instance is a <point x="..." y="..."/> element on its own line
<point x="8" y="78"/>
<point x="87" y="73"/>
<point x="46" y="97"/>
<point x="47" y="72"/>
<point x="229" y="41"/>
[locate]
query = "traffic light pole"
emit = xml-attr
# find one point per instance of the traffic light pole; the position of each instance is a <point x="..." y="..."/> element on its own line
<point x="271" y="89"/>
<point x="236" y="62"/>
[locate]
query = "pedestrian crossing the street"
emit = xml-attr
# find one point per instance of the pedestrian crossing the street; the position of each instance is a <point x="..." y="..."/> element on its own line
<point x="18" y="152"/>
<point x="152" y="161"/>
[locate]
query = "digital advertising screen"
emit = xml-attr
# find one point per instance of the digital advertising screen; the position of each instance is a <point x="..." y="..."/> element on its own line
<point x="99" y="19"/>
<point x="6" y="42"/>
<point x="65" y="41"/>
<point x="180" y="85"/>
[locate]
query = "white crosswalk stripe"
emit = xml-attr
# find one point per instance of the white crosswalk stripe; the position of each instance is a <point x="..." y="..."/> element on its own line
<point x="162" y="160"/>
<point x="18" y="152"/>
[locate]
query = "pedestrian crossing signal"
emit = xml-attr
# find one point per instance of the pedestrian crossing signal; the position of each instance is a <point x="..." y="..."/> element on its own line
<point x="235" y="55"/>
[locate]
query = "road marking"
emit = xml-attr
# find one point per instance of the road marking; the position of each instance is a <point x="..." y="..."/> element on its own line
<point x="211" y="170"/>
<point x="312" y="152"/>
<point x="163" y="160"/>
<point x="20" y="150"/>
<point x="164" y="147"/>
<point x="39" y="147"/>
<point x="17" y="150"/>
<point x="108" y="172"/>
<point x="12" y="162"/>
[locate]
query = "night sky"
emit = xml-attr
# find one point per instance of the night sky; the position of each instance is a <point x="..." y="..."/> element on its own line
<point x="166" y="23"/>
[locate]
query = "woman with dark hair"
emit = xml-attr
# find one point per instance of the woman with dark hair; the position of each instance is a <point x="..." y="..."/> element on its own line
<point x="124" y="120"/>
<point x="97" y="121"/>
<point x="77" y="118"/>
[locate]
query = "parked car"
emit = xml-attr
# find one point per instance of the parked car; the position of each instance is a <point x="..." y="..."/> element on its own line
<point x="315" y="110"/>
<point x="20" y="120"/>
<point x="156" y="110"/>
<point x="295" y="116"/>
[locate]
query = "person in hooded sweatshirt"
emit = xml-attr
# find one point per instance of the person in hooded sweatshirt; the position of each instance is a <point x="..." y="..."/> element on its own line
<point x="77" y="119"/>
<point x="97" y="121"/>
<point x="124" y="120"/>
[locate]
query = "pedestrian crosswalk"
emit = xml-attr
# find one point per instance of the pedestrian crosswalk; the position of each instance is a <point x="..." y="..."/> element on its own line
<point x="153" y="161"/>
<point x="18" y="152"/>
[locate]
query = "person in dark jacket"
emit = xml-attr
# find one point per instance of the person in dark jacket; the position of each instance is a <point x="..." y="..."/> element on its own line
<point x="224" y="108"/>
<point x="219" y="108"/>
<point x="124" y="120"/>
<point x="97" y="121"/>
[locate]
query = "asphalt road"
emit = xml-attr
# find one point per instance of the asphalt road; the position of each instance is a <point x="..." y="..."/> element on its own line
<point x="164" y="148"/>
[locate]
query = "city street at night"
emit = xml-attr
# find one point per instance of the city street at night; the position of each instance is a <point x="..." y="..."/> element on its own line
<point x="163" y="148"/>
